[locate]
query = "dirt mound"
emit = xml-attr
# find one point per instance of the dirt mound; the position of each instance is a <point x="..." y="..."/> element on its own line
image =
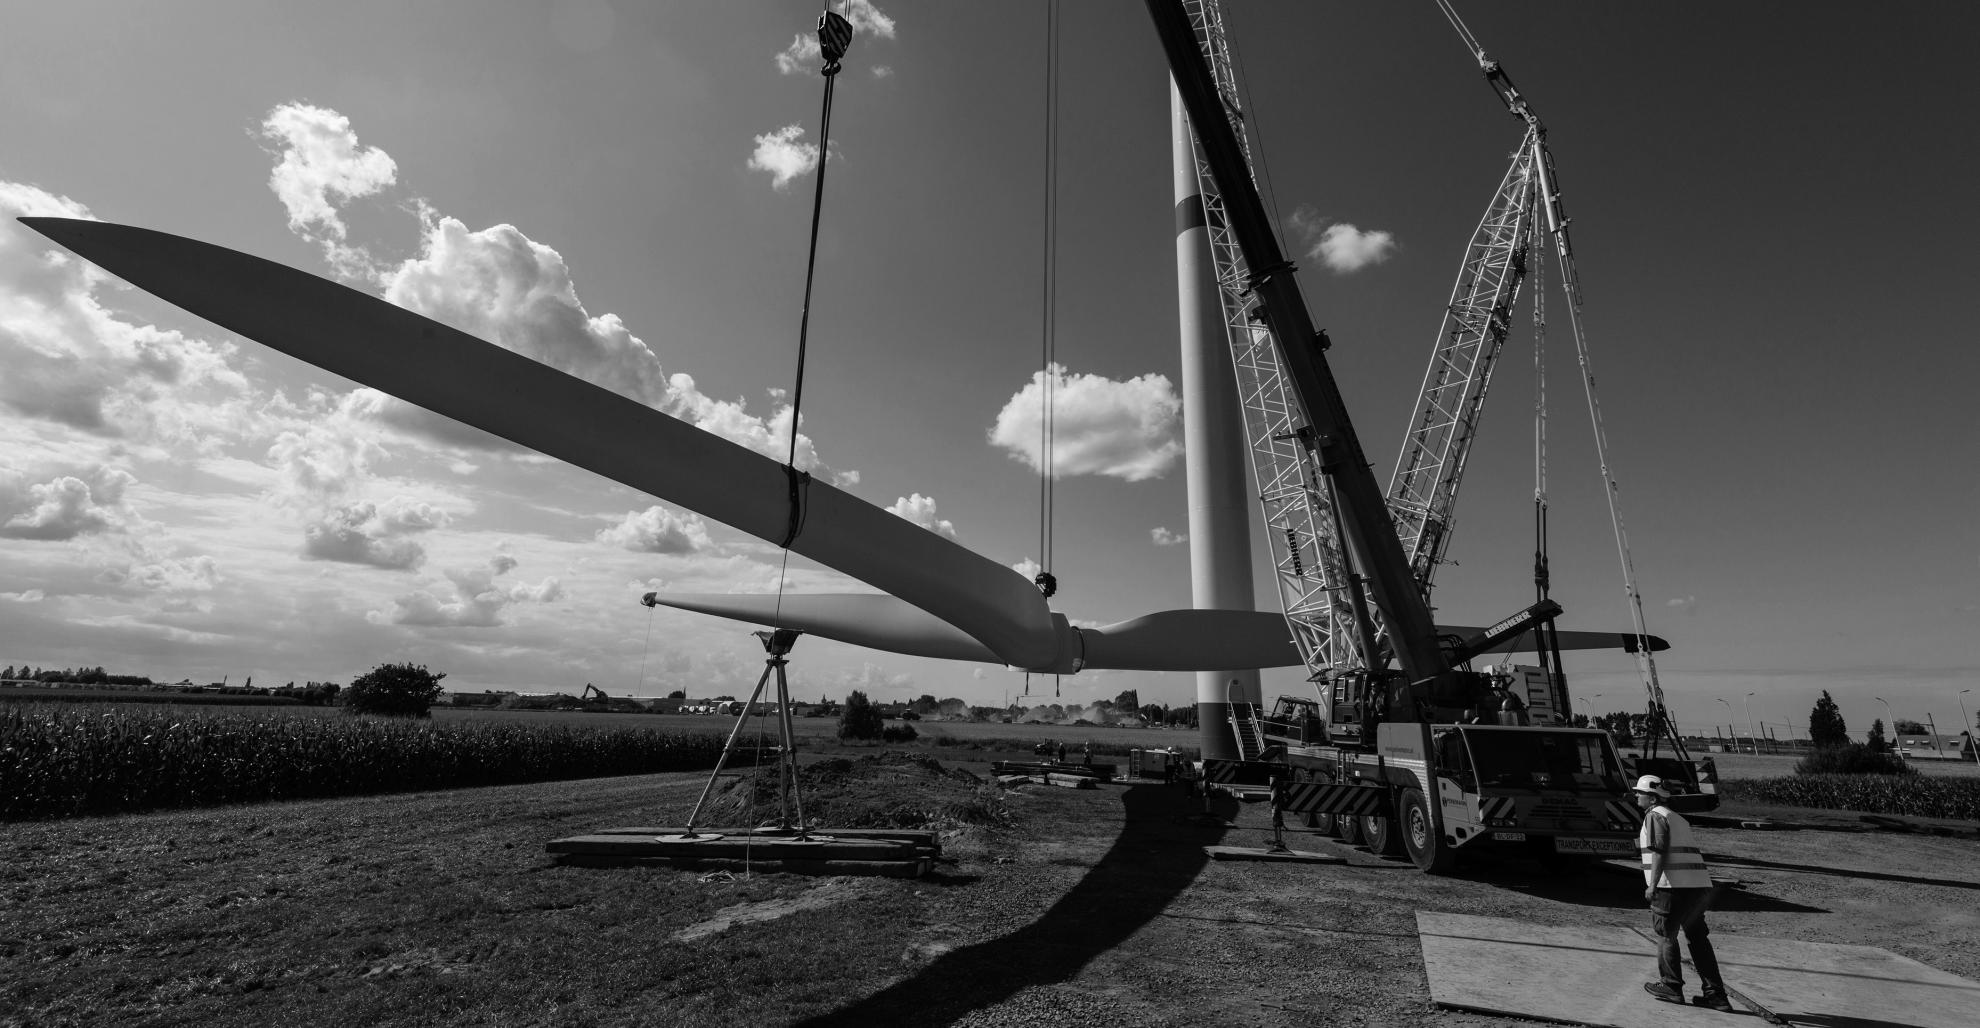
<point x="892" y="789"/>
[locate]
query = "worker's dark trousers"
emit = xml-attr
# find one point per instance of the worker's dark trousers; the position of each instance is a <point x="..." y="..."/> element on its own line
<point x="1683" y="910"/>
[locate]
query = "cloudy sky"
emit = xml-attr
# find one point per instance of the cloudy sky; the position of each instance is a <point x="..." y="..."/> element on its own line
<point x="1771" y="215"/>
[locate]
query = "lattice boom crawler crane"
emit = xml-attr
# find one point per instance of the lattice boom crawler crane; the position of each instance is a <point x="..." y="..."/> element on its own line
<point x="1430" y="757"/>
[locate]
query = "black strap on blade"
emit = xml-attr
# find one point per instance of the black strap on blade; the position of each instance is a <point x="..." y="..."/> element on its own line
<point x="800" y="483"/>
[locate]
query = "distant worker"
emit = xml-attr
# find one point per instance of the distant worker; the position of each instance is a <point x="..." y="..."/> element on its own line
<point x="1679" y="890"/>
<point x="1086" y="749"/>
<point x="1062" y="753"/>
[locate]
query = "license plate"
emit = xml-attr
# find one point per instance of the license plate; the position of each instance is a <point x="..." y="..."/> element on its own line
<point x="1508" y="836"/>
<point x="1607" y="847"/>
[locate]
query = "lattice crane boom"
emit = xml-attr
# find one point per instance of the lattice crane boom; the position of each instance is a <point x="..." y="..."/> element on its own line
<point x="1309" y="564"/>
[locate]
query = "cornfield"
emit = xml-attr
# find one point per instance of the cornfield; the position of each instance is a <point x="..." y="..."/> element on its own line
<point x="62" y="761"/>
<point x="1910" y="795"/>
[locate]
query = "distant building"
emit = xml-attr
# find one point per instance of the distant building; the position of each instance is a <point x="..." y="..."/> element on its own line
<point x="1935" y="747"/>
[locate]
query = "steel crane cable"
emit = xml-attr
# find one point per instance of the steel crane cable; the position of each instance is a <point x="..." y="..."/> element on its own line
<point x="834" y="35"/>
<point x="1046" y="582"/>
<point x="1048" y="339"/>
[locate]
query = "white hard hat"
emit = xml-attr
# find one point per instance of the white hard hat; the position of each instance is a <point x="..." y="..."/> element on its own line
<point x="1652" y="785"/>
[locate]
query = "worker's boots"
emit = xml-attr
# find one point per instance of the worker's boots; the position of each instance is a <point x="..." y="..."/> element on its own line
<point x="1713" y="1001"/>
<point x="1664" y="992"/>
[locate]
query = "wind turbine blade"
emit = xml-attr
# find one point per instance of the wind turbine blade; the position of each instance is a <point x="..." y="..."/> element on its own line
<point x="864" y="619"/>
<point x="1170" y="640"/>
<point x="368" y="340"/>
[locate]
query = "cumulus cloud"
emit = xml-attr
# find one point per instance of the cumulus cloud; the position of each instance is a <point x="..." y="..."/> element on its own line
<point x="65" y="506"/>
<point x="921" y="510"/>
<point x="1339" y="245"/>
<point x="477" y="600"/>
<point x="871" y="678"/>
<point x="69" y="360"/>
<point x="322" y="166"/>
<point x="1163" y="537"/>
<point x="1122" y="429"/>
<point x="373" y="535"/>
<point x="867" y="20"/>
<point x="784" y="155"/>
<point x="502" y="286"/>
<point x="1688" y="604"/>
<point x="802" y="56"/>
<point x="24" y="596"/>
<point x="657" y="530"/>
<point x="183" y="574"/>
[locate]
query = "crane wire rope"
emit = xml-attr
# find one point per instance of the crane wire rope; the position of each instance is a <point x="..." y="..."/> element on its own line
<point x="831" y="49"/>
<point x="834" y="35"/>
<point x="1048" y="336"/>
<point x="1046" y="582"/>
<point x="1571" y="289"/>
<point x="1248" y="117"/>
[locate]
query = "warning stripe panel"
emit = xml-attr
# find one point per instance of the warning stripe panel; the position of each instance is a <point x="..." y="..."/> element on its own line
<point x="1493" y="808"/>
<point x="1327" y="798"/>
<point x="1238" y="772"/>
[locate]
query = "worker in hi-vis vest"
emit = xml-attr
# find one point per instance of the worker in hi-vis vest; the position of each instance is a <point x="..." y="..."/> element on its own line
<point x="1679" y="890"/>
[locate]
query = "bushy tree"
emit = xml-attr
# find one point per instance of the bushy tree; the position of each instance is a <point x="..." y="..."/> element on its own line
<point x="407" y="690"/>
<point x="1852" y="758"/>
<point x="1906" y="726"/>
<point x="1128" y="701"/>
<point x="1825" y="723"/>
<point x="1618" y="724"/>
<point x="1877" y="742"/>
<point x="861" y="719"/>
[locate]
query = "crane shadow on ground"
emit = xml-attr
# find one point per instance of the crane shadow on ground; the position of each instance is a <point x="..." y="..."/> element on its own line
<point x="1601" y="884"/>
<point x="1727" y="860"/>
<point x="1157" y="855"/>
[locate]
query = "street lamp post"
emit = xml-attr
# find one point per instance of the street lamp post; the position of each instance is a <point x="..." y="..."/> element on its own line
<point x="1889" y="721"/>
<point x="1969" y="726"/>
<point x="1749" y="725"/>
<point x="1731" y="729"/>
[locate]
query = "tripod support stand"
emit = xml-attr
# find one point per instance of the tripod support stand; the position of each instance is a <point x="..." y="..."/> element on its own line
<point x="778" y="645"/>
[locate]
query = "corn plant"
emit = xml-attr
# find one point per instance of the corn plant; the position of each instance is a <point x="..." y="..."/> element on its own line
<point x="61" y="760"/>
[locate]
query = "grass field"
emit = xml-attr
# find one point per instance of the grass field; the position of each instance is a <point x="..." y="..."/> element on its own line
<point x="1091" y="907"/>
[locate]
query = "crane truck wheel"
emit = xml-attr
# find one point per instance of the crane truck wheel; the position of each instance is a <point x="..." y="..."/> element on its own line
<point x="1348" y="827"/>
<point x="1325" y="824"/>
<point x="1433" y="856"/>
<point x="1382" y="836"/>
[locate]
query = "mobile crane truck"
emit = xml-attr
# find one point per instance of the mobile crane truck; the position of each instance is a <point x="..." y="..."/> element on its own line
<point x="1431" y="758"/>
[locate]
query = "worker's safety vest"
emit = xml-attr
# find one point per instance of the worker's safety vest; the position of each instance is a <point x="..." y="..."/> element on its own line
<point x="1684" y="865"/>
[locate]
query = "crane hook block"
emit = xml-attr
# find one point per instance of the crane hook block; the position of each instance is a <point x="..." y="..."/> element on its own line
<point x="1046" y="583"/>
<point x="835" y="34"/>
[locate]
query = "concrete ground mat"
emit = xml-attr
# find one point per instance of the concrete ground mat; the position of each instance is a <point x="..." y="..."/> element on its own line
<point x="1594" y="975"/>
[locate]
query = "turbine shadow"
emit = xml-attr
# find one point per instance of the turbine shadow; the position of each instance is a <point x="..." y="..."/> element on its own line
<point x="1157" y="855"/>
